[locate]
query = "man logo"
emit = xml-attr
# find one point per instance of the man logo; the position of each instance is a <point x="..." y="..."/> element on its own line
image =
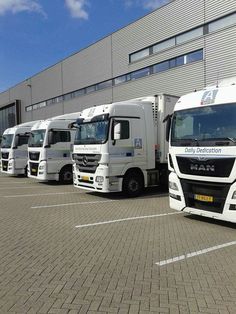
<point x="209" y="97"/>
<point x="207" y="168"/>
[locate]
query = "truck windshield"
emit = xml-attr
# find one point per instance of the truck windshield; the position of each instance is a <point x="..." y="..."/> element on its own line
<point x="7" y="141"/>
<point x="92" y="133"/>
<point x="36" y="138"/>
<point x="205" y="126"/>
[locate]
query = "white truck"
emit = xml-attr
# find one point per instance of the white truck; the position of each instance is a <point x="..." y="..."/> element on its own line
<point x="14" y="153"/>
<point x="121" y="146"/>
<point x="202" y="152"/>
<point x="50" y="147"/>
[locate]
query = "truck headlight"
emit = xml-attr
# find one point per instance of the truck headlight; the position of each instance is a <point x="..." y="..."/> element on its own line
<point x="99" y="179"/>
<point x="173" y="186"/>
<point x="10" y="163"/>
<point x="234" y="195"/>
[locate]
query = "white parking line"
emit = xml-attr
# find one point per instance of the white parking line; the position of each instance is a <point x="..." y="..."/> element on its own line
<point x="125" y="219"/>
<point x="192" y="254"/>
<point x="71" y="204"/>
<point x="25" y="195"/>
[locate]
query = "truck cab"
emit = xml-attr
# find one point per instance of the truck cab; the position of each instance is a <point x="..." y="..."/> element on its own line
<point x="121" y="146"/>
<point x="50" y="147"/>
<point x="14" y="147"/>
<point x="202" y="152"/>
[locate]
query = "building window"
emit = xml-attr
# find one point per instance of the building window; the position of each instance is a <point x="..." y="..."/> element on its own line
<point x="90" y="89"/>
<point x="120" y="79"/>
<point x="160" y="67"/>
<point x="105" y="84"/>
<point x="222" y="23"/>
<point x="180" y="60"/>
<point x="140" y="73"/>
<point x="29" y="108"/>
<point x="194" y="56"/>
<point x="79" y="92"/>
<point x="139" y="55"/>
<point x="164" y="45"/>
<point x="197" y="32"/>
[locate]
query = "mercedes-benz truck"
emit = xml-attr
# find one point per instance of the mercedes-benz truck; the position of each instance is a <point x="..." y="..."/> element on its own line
<point x="121" y="146"/>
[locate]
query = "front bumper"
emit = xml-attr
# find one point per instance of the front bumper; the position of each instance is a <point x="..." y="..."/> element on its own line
<point x="100" y="181"/>
<point x="218" y="203"/>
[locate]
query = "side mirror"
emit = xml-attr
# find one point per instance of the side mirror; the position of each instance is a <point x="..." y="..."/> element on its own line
<point x="168" y="119"/>
<point x="16" y="144"/>
<point x="117" y="130"/>
<point x="50" y="138"/>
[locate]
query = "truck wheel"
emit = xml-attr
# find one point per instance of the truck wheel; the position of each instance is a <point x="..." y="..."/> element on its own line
<point x="133" y="184"/>
<point x="66" y="175"/>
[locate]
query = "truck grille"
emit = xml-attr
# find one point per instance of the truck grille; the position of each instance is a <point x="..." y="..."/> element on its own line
<point x="4" y="165"/>
<point x="217" y="191"/>
<point x="5" y="155"/>
<point x="34" y="155"/>
<point x="87" y="162"/>
<point x="34" y="168"/>
<point x="210" y="167"/>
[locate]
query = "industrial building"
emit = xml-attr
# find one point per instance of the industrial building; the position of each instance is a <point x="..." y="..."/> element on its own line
<point x="180" y="47"/>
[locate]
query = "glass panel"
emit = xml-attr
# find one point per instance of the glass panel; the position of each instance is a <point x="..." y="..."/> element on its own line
<point x="189" y="35"/>
<point x="204" y="126"/>
<point x="180" y="60"/>
<point x="140" y="73"/>
<point x="194" y="56"/>
<point x="139" y="55"/>
<point x="120" y="79"/>
<point x="224" y="22"/>
<point x="79" y="92"/>
<point x="90" y="89"/>
<point x="61" y="136"/>
<point x="172" y="63"/>
<point x="7" y="141"/>
<point x="36" y="138"/>
<point x="164" y="45"/>
<point x="29" y="108"/>
<point x="105" y="84"/>
<point x="92" y="133"/>
<point x="160" y="67"/>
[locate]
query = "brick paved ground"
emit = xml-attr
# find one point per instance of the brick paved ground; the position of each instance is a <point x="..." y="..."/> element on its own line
<point x="49" y="266"/>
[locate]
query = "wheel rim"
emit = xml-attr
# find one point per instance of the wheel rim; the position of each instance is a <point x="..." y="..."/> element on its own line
<point x="133" y="185"/>
<point x="67" y="176"/>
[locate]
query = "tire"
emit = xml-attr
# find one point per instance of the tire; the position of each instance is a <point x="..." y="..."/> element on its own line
<point x="66" y="175"/>
<point x="133" y="184"/>
<point x="26" y="171"/>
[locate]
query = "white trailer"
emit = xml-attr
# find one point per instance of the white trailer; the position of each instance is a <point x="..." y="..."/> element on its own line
<point x="49" y="149"/>
<point x="202" y="152"/>
<point x="14" y="153"/>
<point x="121" y="146"/>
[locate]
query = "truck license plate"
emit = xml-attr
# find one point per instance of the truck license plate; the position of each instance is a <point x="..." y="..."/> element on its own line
<point x="85" y="178"/>
<point x="34" y="170"/>
<point x="203" y="198"/>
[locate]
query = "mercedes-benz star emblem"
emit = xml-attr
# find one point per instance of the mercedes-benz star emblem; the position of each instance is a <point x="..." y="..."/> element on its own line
<point x="85" y="160"/>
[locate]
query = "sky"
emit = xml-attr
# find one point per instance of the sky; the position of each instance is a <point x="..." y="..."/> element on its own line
<point x="36" y="34"/>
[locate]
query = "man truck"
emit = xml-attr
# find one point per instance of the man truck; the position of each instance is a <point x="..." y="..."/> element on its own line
<point x="121" y="146"/>
<point x="49" y="149"/>
<point x="14" y="146"/>
<point x="202" y="152"/>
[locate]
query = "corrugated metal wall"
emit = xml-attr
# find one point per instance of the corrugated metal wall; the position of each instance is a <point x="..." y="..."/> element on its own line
<point x="110" y="58"/>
